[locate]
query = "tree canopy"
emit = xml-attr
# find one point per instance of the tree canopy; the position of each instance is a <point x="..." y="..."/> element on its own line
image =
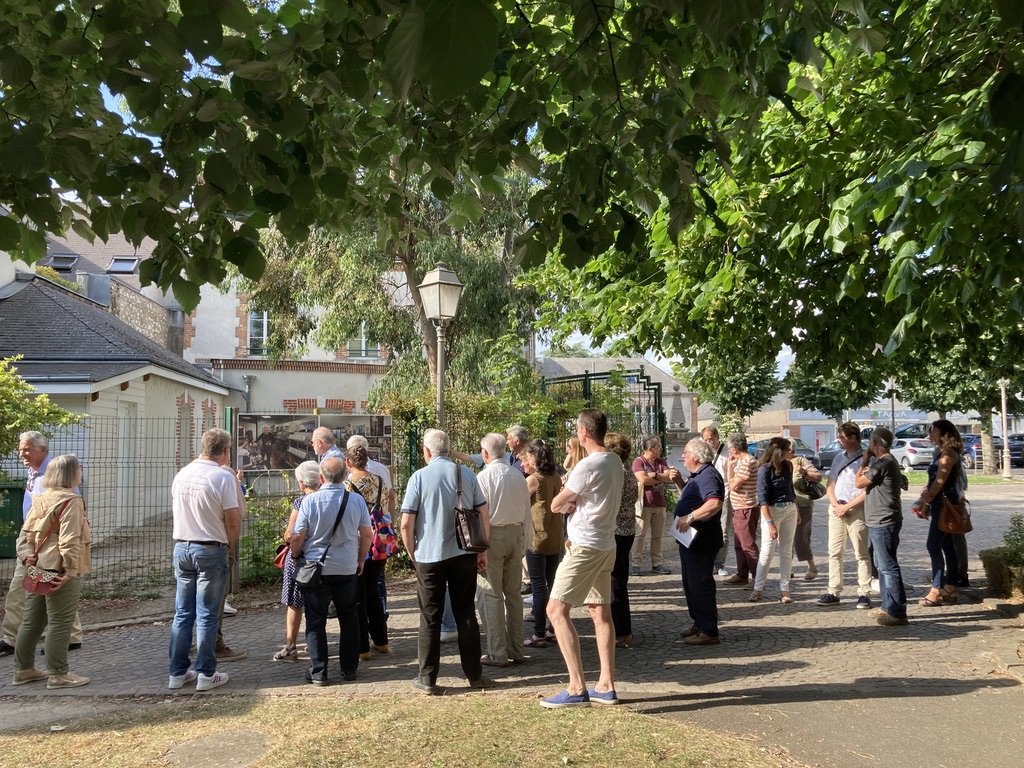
<point x="836" y="175"/>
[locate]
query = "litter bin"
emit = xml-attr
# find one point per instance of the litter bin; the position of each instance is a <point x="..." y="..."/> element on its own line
<point x="11" y="497"/>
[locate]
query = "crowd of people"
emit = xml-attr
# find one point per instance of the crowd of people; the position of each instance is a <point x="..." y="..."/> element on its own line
<point x="576" y="531"/>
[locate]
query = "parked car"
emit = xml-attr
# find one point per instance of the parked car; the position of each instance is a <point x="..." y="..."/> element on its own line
<point x="913" y="452"/>
<point x="757" y="447"/>
<point x="1017" y="450"/>
<point x="973" y="457"/>
<point x="827" y="454"/>
<point x="919" y="429"/>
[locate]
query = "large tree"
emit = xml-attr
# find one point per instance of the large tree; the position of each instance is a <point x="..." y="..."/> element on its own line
<point x="875" y="201"/>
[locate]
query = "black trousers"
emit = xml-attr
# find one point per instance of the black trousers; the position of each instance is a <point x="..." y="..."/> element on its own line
<point x="457" y="575"/>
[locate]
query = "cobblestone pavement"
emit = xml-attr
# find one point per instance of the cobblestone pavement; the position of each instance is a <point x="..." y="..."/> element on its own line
<point x="827" y="683"/>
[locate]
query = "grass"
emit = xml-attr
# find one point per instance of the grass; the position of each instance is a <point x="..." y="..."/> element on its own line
<point x="382" y="732"/>
<point x="917" y="478"/>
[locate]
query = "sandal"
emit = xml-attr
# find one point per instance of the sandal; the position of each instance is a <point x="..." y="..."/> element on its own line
<point x="755" y="596"/>
<point x="287" y="653"/>
<point x="931" y="602"/>
<point x="785" y="598"/>
<point x="535" y="642"/>
<point x="490" y="661"/>
<point x="550" y="637"/>
<point x="950" y="598"/>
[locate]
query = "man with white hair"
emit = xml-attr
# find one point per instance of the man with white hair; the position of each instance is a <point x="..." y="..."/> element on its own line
<point x="428" y="534"/>
<point x="34" y="451"/>
<point x="324" y="445"/>
<point x="508" y="501"/>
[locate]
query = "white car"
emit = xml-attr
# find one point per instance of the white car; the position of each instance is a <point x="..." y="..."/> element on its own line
<point x="912" y="452"/>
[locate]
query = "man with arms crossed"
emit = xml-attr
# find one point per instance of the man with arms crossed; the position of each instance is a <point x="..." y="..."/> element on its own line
<point x="846" y="518"/>
<point x="592" y="495"/>
<point x="207" y="524"/>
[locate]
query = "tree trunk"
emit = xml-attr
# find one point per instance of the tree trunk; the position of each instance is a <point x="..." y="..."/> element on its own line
<point x="428" y="334"/>
<point x="989" y="456"/>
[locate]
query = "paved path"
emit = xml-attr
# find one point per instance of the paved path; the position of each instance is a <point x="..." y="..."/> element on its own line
<point x="828" y="684"/>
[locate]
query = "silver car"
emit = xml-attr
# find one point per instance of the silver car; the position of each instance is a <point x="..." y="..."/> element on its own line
<point x="912" y="452"/>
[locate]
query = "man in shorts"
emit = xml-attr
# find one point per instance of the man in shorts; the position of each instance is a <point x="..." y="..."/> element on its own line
<point x="592" y="494"/>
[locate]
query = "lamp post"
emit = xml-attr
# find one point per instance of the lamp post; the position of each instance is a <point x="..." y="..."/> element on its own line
<point x="1007" y="467"/>
<point x="892" y="404"/>
<point x="440" y="292"/>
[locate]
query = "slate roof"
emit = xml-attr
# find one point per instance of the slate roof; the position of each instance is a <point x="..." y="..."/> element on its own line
<point x="64" y="336"/>
<point x="552" y="367"/>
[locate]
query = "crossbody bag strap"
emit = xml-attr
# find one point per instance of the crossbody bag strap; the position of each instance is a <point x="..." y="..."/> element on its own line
<point x="56" y="519"/>
<point x="380" y="488"/>
<point x="337" y="520"/>
<point x="458" y="488"/>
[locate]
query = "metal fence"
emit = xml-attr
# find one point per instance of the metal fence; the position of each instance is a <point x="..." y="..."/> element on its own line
<point x="128" y="466"/>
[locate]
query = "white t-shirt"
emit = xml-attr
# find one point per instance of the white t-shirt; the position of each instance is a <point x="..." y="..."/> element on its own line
<point x="597" y="482"/>
<point x="200" y="493"/>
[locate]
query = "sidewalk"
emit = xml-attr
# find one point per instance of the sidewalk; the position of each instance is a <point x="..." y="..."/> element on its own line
<point x="828" y="684"/>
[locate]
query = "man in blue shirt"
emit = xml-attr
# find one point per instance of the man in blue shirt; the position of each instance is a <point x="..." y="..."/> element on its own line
<point x="342" y="545"/>
<point x="428" y="534"/>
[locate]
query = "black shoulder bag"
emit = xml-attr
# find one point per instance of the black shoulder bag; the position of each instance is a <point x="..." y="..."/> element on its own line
<point x="310" y="572"/>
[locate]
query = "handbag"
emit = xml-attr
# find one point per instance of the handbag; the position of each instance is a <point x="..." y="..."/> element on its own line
<point x="385" y="540"/>
<point x="811" y="490"/>
<point x="469" y="527"/>
<point x="955" y="517"/>
<point x="310" y="573"/>
<point x="281" y="555"/>
<point x="39" y="581"/>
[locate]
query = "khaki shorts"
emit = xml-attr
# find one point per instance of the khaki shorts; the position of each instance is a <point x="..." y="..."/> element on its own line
<point x="584" y="577"/>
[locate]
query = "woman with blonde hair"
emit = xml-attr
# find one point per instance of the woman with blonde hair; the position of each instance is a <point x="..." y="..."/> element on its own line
<point x="574" y="454"/>
<point x="946" y="477"/>
<point x="56" y="538"/>
<point x="777" y="500"/>
<point x="307" y="475"/>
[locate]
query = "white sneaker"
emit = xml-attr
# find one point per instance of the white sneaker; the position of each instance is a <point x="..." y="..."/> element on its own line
<point x="447" y="637"/>
<point x="722" y="571"/>
<point x="229" y="609"/>
<point x="174" y="682"/>
<point x="209" y="682"/>
<point x="875" y="587"/>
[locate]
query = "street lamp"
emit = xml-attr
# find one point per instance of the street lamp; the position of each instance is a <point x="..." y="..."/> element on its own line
<point x="1007" y="468"/>
<point x="440" y="292"/>
<point x="892" y="404"/>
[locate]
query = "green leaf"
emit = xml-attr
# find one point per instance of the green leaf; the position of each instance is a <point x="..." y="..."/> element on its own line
<point x="1006" y="105"/>
<point x="402" y="57"/>
<point x="555" y="141"/>
<point x="202" y="35"/>
<point x="10" y="233"/>
<point x="218" y="172"/>
<point x="187" y="293"/>
<point x="333" y="183"/>
<point x="868" y="39"/>
<point x="719" y="19"/>
<point x="15" y="69"/>
<point x="1011" y="12"/>
<point x="460" y="41"/>
<point x="442" y="187"/>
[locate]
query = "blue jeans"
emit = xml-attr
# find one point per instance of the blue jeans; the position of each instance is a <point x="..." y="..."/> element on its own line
<point x="542" y="575"/>
<point x="343" y="591"/>
<point x="201" y="573"/>
<point x="448" y="617"/>
<point x="885" y="542"/>
<point x="941" y="551"/>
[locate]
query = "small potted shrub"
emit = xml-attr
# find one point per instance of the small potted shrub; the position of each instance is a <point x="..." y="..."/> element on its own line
<point x="1004" y="566"/>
